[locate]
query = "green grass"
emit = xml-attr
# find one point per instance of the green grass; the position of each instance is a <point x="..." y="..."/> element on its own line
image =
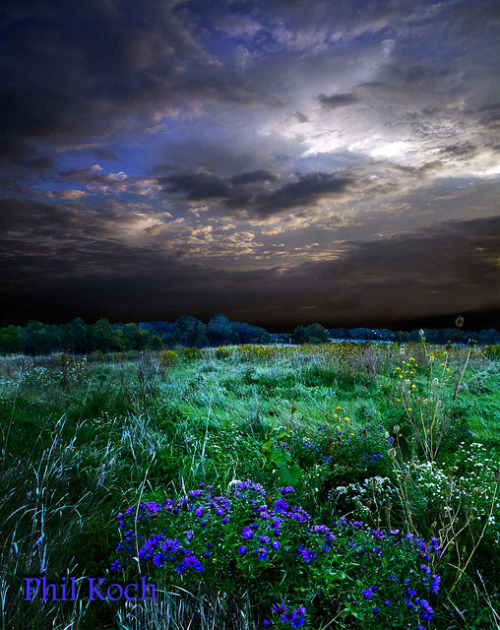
<point x="77" y="447"/>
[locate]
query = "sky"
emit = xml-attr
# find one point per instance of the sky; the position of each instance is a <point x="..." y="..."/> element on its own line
<point x="281" y="161"/>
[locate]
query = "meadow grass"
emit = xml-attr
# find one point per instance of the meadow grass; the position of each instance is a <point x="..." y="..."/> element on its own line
<point x="409" y="438"/>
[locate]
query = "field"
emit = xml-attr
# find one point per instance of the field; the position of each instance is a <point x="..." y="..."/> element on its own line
<point x="188" y="468"/>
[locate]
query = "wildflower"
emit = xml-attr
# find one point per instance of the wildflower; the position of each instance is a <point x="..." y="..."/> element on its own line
<point x="308" y="555"/>
<point x="427" y="610"/>
<point x="247" y="533"/>
<point x="242" y="549"/>
<point x="281" y="504"/>
<point x="298" y="617"/>
<point x="262" y="553"/>
<point x="159" y="560"/>
<point x="435" y="580"/>
<point x="368" y="593"/>
<point x="193" y="563"/>
<point x="279" y="609"/>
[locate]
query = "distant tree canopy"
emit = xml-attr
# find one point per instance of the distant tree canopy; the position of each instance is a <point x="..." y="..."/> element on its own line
<point x="77" y="337"/>
<point x="189" y="331"/>
<point x="10" y="340"/>
<point x="314" y="333"/>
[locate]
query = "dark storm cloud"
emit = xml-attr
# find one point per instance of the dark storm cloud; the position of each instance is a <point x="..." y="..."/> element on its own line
<point x="252" y="177"/>
<point x="237" y="193"/>
<point x="197" y="186"/>
<point x="27" y="216"/>
<point x="306" y="191"/>
<point x="452" y="267"/>
<point x="87" y="69"/>
<point x="37" y="223"/>
<point x="337" y="100"/>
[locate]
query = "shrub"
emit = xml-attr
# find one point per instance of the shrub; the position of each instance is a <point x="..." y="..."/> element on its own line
<point x="191" y="353"/>
<point x="168" y="357"/>
<point x="223" y="352"/>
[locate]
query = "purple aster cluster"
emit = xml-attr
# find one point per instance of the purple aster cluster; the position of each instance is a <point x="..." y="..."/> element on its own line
<point x="295" y="618"/>
<point x="247" y="534"/>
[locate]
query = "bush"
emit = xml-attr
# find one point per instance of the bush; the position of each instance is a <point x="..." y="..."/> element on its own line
<point x="191" y="353"/>
<point x="223" y="352"/>
<point x="168" y="357"/>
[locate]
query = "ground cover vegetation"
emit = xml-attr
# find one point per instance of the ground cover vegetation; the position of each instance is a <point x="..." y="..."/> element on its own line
<point x="349" y="485"/>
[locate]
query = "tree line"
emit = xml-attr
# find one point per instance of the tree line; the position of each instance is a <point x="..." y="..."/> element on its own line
<point x="78" y="337"/>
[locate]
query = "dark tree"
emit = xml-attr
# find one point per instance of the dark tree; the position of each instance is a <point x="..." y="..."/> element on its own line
<point x="314" y="333"/>
<point x="10" y="340"/>
<point x="189" y="331"/>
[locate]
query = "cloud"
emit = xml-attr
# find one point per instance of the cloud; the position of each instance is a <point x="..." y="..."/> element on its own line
<point x="93" y="175"/>
<point x="123" y="64"/>
<point x="197" y="186"/>
<point x="236" y="25"/>
<point x="252" y="177"/>
<point x="306" y="191"/>
<point x="250" y="191"/>
<point x="277" y="126"/>
<point x="79" y="267"/>
<point x="337" y="100"/>
<point x="302" y="118"/>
